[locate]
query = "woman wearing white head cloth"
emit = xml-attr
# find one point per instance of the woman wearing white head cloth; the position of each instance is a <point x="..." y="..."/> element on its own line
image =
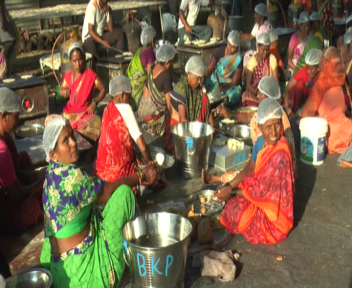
<point x="116" y="157"/>
<point x="299" y="87"/>
<point x="155" y="103"/>
<point x="139" y="67"/>
<point x="226" y="77"/>
<point x="262" y="25"/>
<point x="189" y="101"/>
<point x="77" y="237"/>
<point x="78" y="87"/>
<point x="264" y="189"/>
<point x="298" y="40"/>
<point x="20" y="186"/>
<point x="260" y="65"/>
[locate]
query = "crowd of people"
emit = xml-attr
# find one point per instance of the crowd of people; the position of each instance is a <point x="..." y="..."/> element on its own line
<point x="84" y="212"/>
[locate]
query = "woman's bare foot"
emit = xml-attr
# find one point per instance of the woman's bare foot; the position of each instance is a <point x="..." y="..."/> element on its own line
<point x="345" y="164"/>
<point x="210" y="179"/>
<point x="205" y="177"/>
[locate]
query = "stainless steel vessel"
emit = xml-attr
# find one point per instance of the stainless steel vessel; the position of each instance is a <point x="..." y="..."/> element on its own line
<point x="155" y="249"/>
<point x="241" y="132"/>
<point x="192" y="141"/>
<point x="32" y="278"/>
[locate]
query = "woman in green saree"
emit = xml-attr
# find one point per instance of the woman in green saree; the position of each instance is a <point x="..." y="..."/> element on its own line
<point x="83" y="216"/>
<point x="140" y="65"/>
<point x="226" y="77"/>
<point x="153" y="106"/>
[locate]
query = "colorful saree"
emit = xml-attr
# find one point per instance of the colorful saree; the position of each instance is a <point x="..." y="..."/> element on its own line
<point x="116" y="155"/>
<point x="262" y="69"/>
<point x="223" y="74"/>
<point x="81" y="97"/>
<point x="196" y="101"/>
<point x="138" y="76"/>
<point x="316" y="42"/>
<point x="327" y="19"/>
<point x="97" y="261"/>
<point x="265" y="213"/>
<point x="152" y="109"/>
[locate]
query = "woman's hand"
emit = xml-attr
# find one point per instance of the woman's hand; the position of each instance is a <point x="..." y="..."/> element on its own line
<point x="67" y="93"/>
<point x="150" y="174"/>
<point x="220" y="88"/>
<point x="223" y="111"/>
<point x="223" y="194"/>
<point x="91" y="108"/>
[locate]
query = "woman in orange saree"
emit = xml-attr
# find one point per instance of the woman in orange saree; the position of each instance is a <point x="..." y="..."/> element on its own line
<point x="262" y="210"/>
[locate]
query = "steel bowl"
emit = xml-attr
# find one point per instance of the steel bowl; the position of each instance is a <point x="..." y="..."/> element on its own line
<point x="212" y="208"/>
<point x="29" y="130"/>
<point x="241" y="132"/>
<point x="32" y="278"/>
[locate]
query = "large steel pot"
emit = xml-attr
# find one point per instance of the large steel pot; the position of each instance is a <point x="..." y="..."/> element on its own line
<point x="32" y="278"/>
<point x="155" y="249"/>
<point x="192" y="141"/>
<point x="241" y="132"/>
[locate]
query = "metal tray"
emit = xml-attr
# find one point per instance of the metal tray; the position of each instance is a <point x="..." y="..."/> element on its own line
<point x="211" y="207"/>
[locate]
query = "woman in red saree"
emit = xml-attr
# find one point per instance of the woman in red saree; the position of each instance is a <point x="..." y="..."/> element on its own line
<point x="78" y="87"/>
<point x="262" y="210"/>
<point x="116" y="157"/>
<point x="20" y="186"/>
<point x="189" y="101"/>
<point x="261" y="64"/>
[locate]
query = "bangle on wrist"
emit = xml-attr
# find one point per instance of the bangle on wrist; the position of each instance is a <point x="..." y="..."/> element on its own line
<point x="95" y="102"/>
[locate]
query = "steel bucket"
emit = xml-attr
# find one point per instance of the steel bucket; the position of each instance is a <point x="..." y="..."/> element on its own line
<point x="155" y="249"/>
<point x="192" y="141"/>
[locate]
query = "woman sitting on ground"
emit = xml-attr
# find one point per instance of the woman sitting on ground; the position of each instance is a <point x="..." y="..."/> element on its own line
<point x="274" y="42"/>
<point x="260" y="65"/>
<point x="298" y="41"/>
<point x="301" y="84"/>
<point x="155" y="103"/>
<point x="330" y="100"/>
<point x="116" y="157"/>
<point x="20" y="186"/>
<point x="189" y="101"/>
<point x="140" y="65"/>
<point x="268" y="88"/>
<point x="225" y="79"/>
<point x="262" y="208"/>
<point x="78" y="87"/>
<point x="83" y="215"/>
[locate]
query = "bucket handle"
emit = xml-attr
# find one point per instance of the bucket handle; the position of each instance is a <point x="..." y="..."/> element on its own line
<point x="125" y="253"/>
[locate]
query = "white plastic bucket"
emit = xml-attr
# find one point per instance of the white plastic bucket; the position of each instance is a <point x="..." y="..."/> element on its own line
<point x="313" y="140"/>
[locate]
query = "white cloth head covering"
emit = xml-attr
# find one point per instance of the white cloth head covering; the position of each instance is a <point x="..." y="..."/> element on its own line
<point x="51" y="134"/>
<point x="274" y="36"/>
<point x="234" y="38"/>
<point x="9" y="101"/>
<point x="119" y="84"/>
<point x="195" y="66"/>
<point x="347" y="38"/>
<point x="315" y="16"/>
<point x="269" y="86"/>
<point x="261" y="10"/>
<point x="264" y="39"/>
<point x="303" y="17"/>
<point x="268" y="109"/>
<point x="165" y="53"/>
<point x="313" y="57"/>
<point x="147" y="35"/>
<point x="75" y="45"/>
